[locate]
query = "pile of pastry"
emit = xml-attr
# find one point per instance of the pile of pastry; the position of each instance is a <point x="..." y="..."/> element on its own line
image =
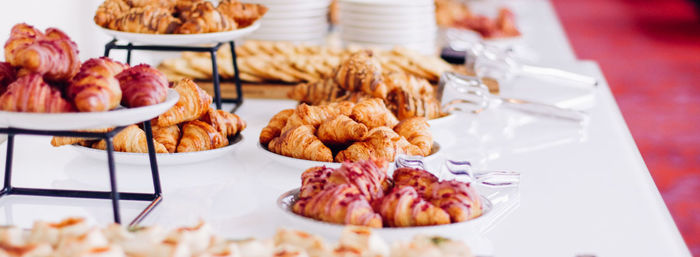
<point x="456" y="14"/>
<point x="265" y="61"/>
<point x="191" y="125"/>
<point x="361" y="76"/>
<point x="74" y="237"/>
<point x="176" y="16"/>
<point x="346" y="131"/>
<point x="360" y="193"/>
<point x="43" y="73"/>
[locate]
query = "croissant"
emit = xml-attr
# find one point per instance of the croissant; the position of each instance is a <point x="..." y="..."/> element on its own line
<point x="310" y="115"/>
<point x="406" y="105"/>
<point x="142" y="85"/>
<point x="342" y="107"/>
<point x="7" y="76"/>
<point x="110" y="10"/>
<point x="60" y="141"/>
<point x="228" y="124"/>
<point x="380" y="143"/>
<point x="168" y="136"/>
<point x="200" y="136"/>
<point x="300" y="142"/>
<point x="30" y="93"/>
<point x="313" y="180"/>
<point x="193" y="103"/>
<point x="204" y="18"/>
<point x="410" y="84"/>
<point x="362" y="72"/>
<point x="341" y="204"/>
<point x="458" y="199"/>
<point x="403" y="207"/>
<point x="274" y="127"/>
<point x="94" y="88"/>
<point x="315" y="93"/>
<point x="421" y="180"/>
<point x="373" y="113"/>
<point x="369" y="177"/>
<point x="52" y="54"/>
<point x="146" y="19"/>
<point x="341" y="130"/>
<point x="244" y="14"/>
<point x="417" y="131"/>
<point x="131" y="139"/>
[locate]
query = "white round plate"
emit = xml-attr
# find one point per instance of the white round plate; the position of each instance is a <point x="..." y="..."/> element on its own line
<point x="399" y="18"/>
<point x="296" y="14"/>
<point x="388" y="2"/>
<point x="289" y="37"/>
<point x="181" y="39"/>
<point x="416" y="39"/>
<point x="164" y="159"/>
<point x="315" y="28"/>
<point x="386" y="10"/>
<point x="295" y="6"/>
<point x="310" y="21"/>
<point x="400" y="34"/>
<point x="305" y="164"/>
<point x="276" y="2"/>
<point x="455" y="230"/>
<point x="387" y="25"/>
<point x="86" y="120"/>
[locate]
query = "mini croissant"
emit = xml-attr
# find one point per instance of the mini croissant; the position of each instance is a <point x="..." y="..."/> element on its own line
<point x="199" y="136"/>
<point x="60" y="141"/>
<point x="142" y="85"/>
<point x="168" y="136"/>
<point x="417" y="131"/>
<point x="403" y="207"/>
<point x="131" y="139"/>
<point x="193" y="103"/>
<point x="340" y="204"/>
<point x="274" y="127"/>
<point x="30" y="93"/>
<point x="52" y="54"/>
<point x="300" y="142"/>
<point x="228" y="124"/>
<point x="94" y="88"/>
<point x="341" y="130"/>
<point x="373" y="113"/>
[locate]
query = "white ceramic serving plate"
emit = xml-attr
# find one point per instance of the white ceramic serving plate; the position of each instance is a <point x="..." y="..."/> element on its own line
<point x="318" y="35"/>
<point x="181" y="39"/>
<point x="311" y="28"/>
<point x="400" y="34"/>
<point x="296" y="6"/>
<point x="164" y="159"/>
<point x="405" y="40"/>
<point x="388" y="2"/>
<point x="276" y="2"/>
<point x="387" y="25"/>
<point x="455" y="230"/>
<point x="385" y="9"/>
<point x="273" y="15"/>
<point x="307" y="21"/>
<point x="397" y="18"/>
<point x="86" y="120"/>
<point x="305" y="164"/>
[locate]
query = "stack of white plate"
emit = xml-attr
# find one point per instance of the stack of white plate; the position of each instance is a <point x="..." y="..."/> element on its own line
<point x="293" y="20"/>
<point x="389" y="23"/>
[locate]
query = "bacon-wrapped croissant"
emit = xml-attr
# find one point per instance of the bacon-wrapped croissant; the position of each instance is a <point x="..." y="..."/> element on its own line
<point x="369" y="177"/>
<point x="373" y="113"/>
<point x="7" y="76"/>
<point x="244" y="14"/>
<point x="417" y="131"/>
<point x="192" y="104"/>
<point x="403" y="207"/>
<point x="313" y="180"/>
<point x="341" y="204"/>
<point x="30" y="93"/>
<point x="458" y="199"/>
<point x="228" y="124"/>
<point x="274" y="127"/>
<point x="131" y="139"/>
<point x="95" y="88"/>
<point x="168" y="136"/>
<point x="421" y="180"/>
<point x="341" y="130"/>
<point x="300" y="142"/>
<point x="199" y="136"/>
<point x="52" y="54"/>
<point x="142" y="86"/>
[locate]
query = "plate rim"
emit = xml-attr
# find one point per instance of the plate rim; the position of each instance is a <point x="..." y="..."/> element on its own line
<point x="201" y="38"/>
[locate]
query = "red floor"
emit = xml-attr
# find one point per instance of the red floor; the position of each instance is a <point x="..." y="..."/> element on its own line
<point x="650" y="53"/>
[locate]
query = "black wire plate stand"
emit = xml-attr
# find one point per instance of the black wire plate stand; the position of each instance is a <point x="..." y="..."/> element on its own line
<point x="215" y="70"/>
<point x="114" y="195"/>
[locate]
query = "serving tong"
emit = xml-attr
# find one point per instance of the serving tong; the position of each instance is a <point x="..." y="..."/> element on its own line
<point x="496" y="62"/>
<point x="469" y="94"/>
<point x="463" y="171"/>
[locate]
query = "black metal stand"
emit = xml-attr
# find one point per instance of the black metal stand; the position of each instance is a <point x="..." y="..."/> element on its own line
<point x="215" y="69"/>
<point x="114" y="194"/>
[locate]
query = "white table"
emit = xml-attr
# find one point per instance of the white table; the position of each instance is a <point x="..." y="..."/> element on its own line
<point x="583" y="191"/>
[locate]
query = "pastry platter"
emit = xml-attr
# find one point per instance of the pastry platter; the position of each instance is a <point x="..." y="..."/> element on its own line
<point x="181" y="39"/>
<point x="164" y="159"/>
<point x="86" y="120"/>
<point x="304" y="164"/>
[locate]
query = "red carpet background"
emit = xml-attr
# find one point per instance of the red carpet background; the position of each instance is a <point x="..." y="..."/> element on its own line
<point x="649" y="51"/>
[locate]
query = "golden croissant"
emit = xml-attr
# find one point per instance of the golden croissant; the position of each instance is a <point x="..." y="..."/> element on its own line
<point x="192" y="104"/>
<point x="458" y="199"/>
<point x="406" y="105"/>
<point x="110" y="10"/>
<point x="341" y="204"/>
<point x="341" y="130"/>
<point x="417" y="131"/>
<point x="362" y="72"/>
<point x="60" y="141"/>
<point x="30" y="93"/>
<point x="373" y="113"/>
<point x="200" y="136"/>
<point x="380" y="143"/>
<point x="318" y="92"/>
<point x="422" y="181"/>
<point x="403" y="207"/>
<point x="274" y="127"/>
<point x="300" y="142"/>
<point x="202" y="17"/>
<point x="168" y="136"/>
<point x="146" y="19"/>
<point x="131" y="139"/>
<point x="142" y="85"/>
<point x="228" y="124"/>
<point x="95" y="88"/>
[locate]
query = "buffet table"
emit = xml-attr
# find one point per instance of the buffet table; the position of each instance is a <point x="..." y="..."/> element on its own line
<point x="584" y="189"/>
